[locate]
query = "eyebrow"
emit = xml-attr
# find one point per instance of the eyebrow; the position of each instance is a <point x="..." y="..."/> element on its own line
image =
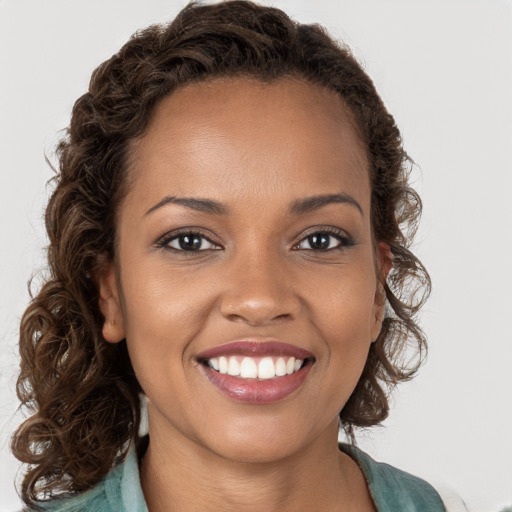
<point x="309" y="204"/>
<point x="297" y="207"/>
<point x="201" y="205"/>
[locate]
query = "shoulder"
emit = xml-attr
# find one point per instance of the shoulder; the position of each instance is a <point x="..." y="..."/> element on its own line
<point x="392" y="489"/>
<point x="119" y="491"/>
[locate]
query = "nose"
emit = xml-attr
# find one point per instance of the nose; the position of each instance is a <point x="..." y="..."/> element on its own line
<point x="258" y="292"/>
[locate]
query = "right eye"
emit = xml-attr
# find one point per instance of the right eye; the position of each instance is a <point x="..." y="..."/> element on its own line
<point x="190" y="241"/>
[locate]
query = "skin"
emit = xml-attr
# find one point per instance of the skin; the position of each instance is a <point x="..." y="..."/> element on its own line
<point x="255" y="148"/>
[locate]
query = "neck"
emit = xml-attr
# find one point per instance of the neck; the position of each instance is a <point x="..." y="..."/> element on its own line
<point x="180" y="474"/>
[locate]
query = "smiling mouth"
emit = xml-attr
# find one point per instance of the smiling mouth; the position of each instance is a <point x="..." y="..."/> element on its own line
<point x="259" y="368"/>
<point x="256" y="371"/>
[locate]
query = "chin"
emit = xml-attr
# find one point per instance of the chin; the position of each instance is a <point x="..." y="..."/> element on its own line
<point x="262" y="451"/>
<point x="258" y="441"/>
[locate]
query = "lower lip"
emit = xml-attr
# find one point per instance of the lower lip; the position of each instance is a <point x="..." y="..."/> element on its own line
<point x="253" y="391"/>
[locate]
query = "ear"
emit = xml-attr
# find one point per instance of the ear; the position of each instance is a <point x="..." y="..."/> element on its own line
<point x="384" y="263"/>
<point x="110" y="305"/>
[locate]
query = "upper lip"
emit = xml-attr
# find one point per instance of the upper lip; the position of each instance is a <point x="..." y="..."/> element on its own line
<point x="256" y="347"/>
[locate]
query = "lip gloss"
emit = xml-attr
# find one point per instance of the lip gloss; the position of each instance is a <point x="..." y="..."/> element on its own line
<point x="257" y="390"/>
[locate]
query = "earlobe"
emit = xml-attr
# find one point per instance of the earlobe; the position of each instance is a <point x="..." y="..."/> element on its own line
<point x="385" y="257"/>
<point x="110" y="305"/>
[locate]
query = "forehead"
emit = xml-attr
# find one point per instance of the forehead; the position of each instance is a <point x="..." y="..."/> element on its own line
<point x="243" y="135"/>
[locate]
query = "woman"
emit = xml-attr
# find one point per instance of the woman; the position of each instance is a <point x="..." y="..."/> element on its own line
<point x="229" y="238"/>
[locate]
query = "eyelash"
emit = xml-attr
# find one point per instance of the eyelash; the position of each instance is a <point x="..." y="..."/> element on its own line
<point x="163" y="243"/>
<point x="345" y="241"/>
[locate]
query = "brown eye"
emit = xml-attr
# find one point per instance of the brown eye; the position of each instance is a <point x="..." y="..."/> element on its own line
<point x="324" y="241"/>
<point x="190" y="242"/>
<point x="321" y="241"/>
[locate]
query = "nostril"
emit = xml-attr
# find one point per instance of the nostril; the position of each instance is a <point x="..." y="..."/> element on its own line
<point x="255" y="320"/>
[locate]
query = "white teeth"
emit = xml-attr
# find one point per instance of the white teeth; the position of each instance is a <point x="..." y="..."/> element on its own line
<point x="266" y="368"/>
<point x="233" y="366"/>
<point x="280" y="367"/>
<point x="223" y="365"/>
<point x="248" y="368"/>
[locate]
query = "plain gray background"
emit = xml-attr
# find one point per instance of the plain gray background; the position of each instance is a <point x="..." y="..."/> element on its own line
<point x="444" y="68"/>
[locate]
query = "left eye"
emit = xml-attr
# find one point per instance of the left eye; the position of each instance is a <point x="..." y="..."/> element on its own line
<point x="321" y="241"/>
<point x="190" y="242"/>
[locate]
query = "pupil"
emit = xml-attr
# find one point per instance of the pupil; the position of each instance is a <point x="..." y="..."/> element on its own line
<point x="190" y="242"/>
<point x="319" y="241"/>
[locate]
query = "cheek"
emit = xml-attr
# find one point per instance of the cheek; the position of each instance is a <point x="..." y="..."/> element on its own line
<point x="158" y="297"/>
<point x="162" y="313"/>
<point x="343" y="299"/>
<point x="344" y="315"/>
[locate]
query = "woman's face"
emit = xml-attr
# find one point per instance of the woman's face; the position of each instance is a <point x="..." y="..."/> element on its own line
<point x="245" y="246"/>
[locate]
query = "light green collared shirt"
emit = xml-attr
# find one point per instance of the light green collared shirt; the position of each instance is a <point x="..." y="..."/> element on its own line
<point x="392" y="490"/>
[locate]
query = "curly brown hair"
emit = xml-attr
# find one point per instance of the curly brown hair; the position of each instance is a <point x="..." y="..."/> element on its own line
<point x="82" y="391"/>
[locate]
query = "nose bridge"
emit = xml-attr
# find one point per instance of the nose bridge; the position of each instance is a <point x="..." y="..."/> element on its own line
<point x="258" y="290"/>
